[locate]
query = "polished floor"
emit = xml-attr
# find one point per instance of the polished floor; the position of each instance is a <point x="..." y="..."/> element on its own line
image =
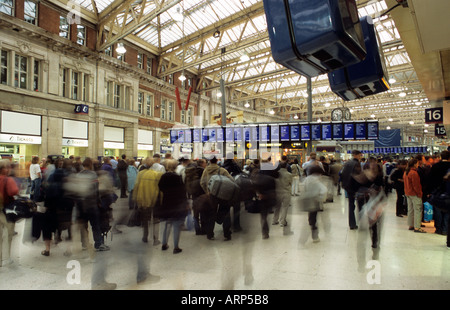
<point x="288" y="260"/>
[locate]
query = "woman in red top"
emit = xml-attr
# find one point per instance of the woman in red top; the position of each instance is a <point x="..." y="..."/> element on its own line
<point x="8" y="189"/>
<point x="413" y="193"/>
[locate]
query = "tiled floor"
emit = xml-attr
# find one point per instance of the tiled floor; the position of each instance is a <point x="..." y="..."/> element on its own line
<point x="247" y="262"/>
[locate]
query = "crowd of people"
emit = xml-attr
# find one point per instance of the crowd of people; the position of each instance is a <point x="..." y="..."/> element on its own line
<point x="174" y="194"/>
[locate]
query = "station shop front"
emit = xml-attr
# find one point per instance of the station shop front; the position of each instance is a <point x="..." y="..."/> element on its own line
<point x="20" y="136"/>
<point x="114" y="141"/>
<point x="75" y="138"/>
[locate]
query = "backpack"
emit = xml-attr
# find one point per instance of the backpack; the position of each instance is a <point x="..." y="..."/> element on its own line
<point x="221" y="187"/>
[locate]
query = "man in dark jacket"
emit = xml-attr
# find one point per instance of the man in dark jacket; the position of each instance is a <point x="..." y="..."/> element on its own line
<point x="122" y="167"/>
<point x="232" y="167"/>
<point x="351" y="185"/>
<point x="265" y="187"/>
<point x="436" y="180"/>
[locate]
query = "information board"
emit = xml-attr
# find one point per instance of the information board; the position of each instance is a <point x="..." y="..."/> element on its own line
<point x="349" y="131"/>
<point x="274" y="133"/>
<point x="212" y="135"/>
<point x="295" y="132"/>
<point x="284" y="132"/>
<point x="327" y="132"/>
<point x="187" y="136"/>
<point x="173" y="136"/>
<point x="196" y="135"/>
<point x="229" y="134"/>
<point x="305" y="130"/>
<point x="338" y="131"/>
<point x="316" y="132"/>
<point x="205" y="136"/>
<point x="220" y="134"/>
<point x="264" y="133"/>
<point x="372" y="131"/>
<point x="238" y="134"/>
<point x="360" y="131"/>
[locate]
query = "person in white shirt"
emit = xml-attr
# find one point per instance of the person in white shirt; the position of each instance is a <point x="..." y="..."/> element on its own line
<point x="36" y="178"/>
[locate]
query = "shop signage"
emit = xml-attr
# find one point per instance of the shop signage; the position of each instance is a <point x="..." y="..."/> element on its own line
<point x="114" y="145"/>
<point x="75" y="142"/>
<point x="20" y="139"/>
<point x="81" y="109"/>
<point x="166" y="149"/>
<point x="145" y="147"/>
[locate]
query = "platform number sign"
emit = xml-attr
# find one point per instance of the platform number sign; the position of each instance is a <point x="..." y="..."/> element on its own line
<point x="434" y="116"/>
<point x="439" y="130"/>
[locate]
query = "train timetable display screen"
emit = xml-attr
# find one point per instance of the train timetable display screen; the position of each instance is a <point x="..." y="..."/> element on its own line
<point x="173" y="136"/>
<point x="327" y="132"/>
<point x="264" y="133"/>
<point x="229" y="134"/>
<point x="372" y="130"/>
<point x="212" y="135"/>
<point x="205" y="136"/>
<point x="360" y="131"/>
<point x="254" y="133"/>
<point x="196" y="135"/>
<point x="284" y="132"/>
<point x="220" y="135"/>
<point x="316" y="132"/>
<point x="187" y="136"/>
<point x="295" y="132"/>
<point x="349" y="131"/>
<point x="238" y="134"/>
<point x="274" y="133"/>
<point x="247" y="133"/>
<point x="338" y="131"/>
<point x="305" y="130"/>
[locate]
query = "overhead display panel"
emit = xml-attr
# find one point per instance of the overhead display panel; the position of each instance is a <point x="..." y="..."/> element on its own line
<point x="305" y="130"/>
<point x="349" y="131"/>
<point x="372" y="130"/>
<point x="327" y="132"/>
<point x="338" y="131"/>
<point x="295" y="132"/>
<point x="360" y="131"/>
<point x="316" y="132"/>
<point x="284" y="132"/>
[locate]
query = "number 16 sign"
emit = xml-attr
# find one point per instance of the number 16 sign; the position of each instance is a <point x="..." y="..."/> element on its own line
<point x="434" y="116"/>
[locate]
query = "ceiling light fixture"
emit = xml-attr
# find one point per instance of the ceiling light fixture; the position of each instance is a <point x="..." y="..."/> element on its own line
<point x="182" y="77"/>
<point x="402" y="94"/>
<point x="296" y="116"/>
<point x="391" y="120"/>
<point x="121" y="49"/>
<point x="388" y="127"/>
<point x="247" y="105"/>
<point x="272" y="112"/>
<point x="392" y="81"/>
<point x="411" y="123"/>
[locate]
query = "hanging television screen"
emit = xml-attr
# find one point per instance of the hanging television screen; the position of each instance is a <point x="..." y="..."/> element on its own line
<point x="372" y="130"/>
<point x="349" y="131"/>
<point x="327" y="132"/>
<point x="187" y="136"/>
<point x="338" y="131"/>
<point x="316" y="132"/>
<point x="360" y="131"/>
<point x="284" y="132"/>
<point x="196" y="135"/>
<point x="305" y="130"/>
<point x="180" y="136"/>
<point x="295" y="132"/>
<point x="274" y="133"/>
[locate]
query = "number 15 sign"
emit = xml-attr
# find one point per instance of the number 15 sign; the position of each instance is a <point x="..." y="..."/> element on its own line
<point x="434" y="116"/>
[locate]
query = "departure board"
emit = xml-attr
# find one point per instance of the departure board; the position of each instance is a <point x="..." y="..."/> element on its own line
<point x="247" y="133"/>
<point x="212" y="135"/>
<point x="284" y="132"/>
<point x="238" y="134"/>
<point x="338" y="131"/>
<point x="254" y="130"/>
<point x="274" y="133"/>
<point x="173" y="136"/>
<point x="360" y="131"/>
<point x="196" y="135"/>
<point x="372" y="131"/>
<point x="187" y="136"/>
<point x="205" y="136"/>
<point x="264" y="133"/>
<point x="327" y="133"/>
<point x="305" y="130"/>
<point x="316" y="132"/>
<point x="295" y="132"/>
<point x="220" y="135"/>
<point x="349" y="131"/>
<point x="229" y="134"/>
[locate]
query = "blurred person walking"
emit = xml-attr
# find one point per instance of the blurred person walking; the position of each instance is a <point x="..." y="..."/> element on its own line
<point x="8" y="189"/>
<point x="146" y="195"/>
<point x="36" y="179"/>
<point x="283" y="188"/>
<point x="122" y="167"/>
<point x="174" y="205"/>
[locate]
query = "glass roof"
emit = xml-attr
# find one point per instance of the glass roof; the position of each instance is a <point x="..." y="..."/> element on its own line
<point x="186" y="30"/>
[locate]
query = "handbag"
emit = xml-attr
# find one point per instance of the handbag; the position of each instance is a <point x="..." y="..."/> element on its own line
<point x="135" y="219"/>
<point x="427" y="211"/>
<point x="18" y="209"/>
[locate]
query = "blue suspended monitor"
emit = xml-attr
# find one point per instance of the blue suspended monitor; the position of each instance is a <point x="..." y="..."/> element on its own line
<point x="369" y="77"/>
<point x="314" y="37"/>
